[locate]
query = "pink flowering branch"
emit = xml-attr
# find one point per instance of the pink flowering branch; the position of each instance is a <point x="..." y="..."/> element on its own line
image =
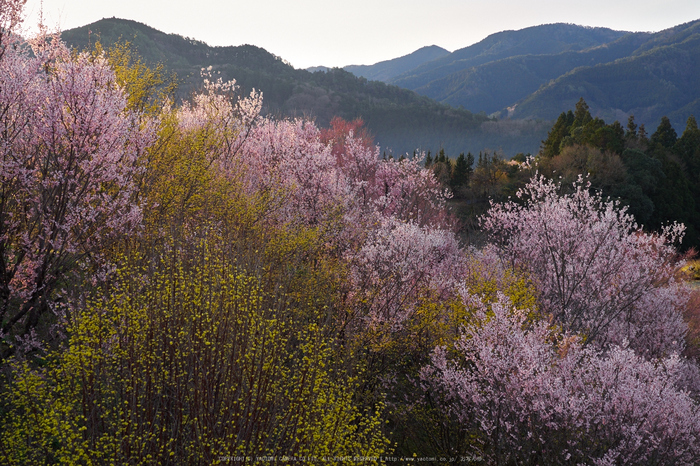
<point x="529" y="393"/>
<point x="597" y="272"/>
<point x="70" y="153"/>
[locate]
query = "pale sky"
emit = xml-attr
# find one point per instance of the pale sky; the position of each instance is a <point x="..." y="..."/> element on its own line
<point x="338" y="33"/>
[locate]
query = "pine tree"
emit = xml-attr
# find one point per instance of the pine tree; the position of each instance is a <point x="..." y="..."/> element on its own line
<point x="665" y="135"/>
<point x="673" y="199"/>
<point x="462" y="172"/>
<point x="441" y="156"/>
<point x="631" y="127"/>
<point x="561" y="129"/>
<point x="642" y="132"/>
<point x="582" y="115"/>
<point x="688" y="148"/>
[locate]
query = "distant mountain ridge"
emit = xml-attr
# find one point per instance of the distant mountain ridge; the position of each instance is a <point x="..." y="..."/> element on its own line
<point x="400" y="119"/>
<point x="496" y="85"/>
<point x="541" y="71"/>
<point x="536" y="40"/>
<point x="388" y="69"/>
<point x="658" y="79"/>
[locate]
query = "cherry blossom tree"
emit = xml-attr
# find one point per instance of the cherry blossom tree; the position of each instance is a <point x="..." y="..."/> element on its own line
<point x="344" y="171"/>
<point x="398" y="263"/>
<point x="68" y="162"/>
<point x="393" y="188"/>
<point x="530" y="394"/>
<point x="597" y="272"/>
<point x="288" y="158"/>
<point x="595" y="374"/>
<point x="225" y="118"/>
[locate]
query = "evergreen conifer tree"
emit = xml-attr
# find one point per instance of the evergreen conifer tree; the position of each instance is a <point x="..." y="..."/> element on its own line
<point x="462" y="172"/>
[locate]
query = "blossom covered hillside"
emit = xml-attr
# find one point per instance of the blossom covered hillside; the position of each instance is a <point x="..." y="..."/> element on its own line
<point x="186" y="284"/>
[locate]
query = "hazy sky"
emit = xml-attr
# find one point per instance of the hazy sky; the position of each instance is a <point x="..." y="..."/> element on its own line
<point x="337" y="33"/>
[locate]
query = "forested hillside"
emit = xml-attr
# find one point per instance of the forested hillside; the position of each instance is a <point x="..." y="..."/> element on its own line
<point x="658" y="79"/>
<point x="388" y="69"/>
<point x="499" y="84"/>
<point x="402" y="121"/>
<point x="539" y="72"/>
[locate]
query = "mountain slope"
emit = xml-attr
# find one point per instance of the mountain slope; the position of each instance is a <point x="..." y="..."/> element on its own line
<point x="536" y="40"/>
<point x="495" y="85"/>
<point x="400" y="119"/>
<point x="388" y="69"/>
<point x="660" y="78"/>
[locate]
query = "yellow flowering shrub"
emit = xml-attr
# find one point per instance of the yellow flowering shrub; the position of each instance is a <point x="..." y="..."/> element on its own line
<point x="189" y="359"/>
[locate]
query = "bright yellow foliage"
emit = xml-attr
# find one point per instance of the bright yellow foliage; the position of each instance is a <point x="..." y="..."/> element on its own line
<point x="147" y="88"/>
<point x="189" y="359"/>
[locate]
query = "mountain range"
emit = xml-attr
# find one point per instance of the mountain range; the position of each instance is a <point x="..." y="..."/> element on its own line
<point x="400" y="119"/>
<point x="501" y="93"/>
<point x="541" y="71"/>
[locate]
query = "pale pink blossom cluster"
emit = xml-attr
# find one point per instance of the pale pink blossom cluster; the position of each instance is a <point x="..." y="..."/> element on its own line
<point x="597" y="272"/>
<point x="403" y="189"/>
<point x="227" y="119"/>
<point x="68" y="161"/>
<point x="287" y="158"/>
<point x="399" y="262"/>
<point x="532" y="394"/>
<point x="594" y="375"/>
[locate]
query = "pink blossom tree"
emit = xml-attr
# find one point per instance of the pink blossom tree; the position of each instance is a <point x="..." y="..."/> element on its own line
<point x="597" y="272"/>
<point x="225" y="118"/>
<point x="69" y="157"/>
<point x="598" y="376"/>
<point x="288" y="158"/>
<point x="386" y="218"/>
<point x="393" y="188"/>
<point x="529" y="394"/>
<point x="398" y="263"/>
<point x="293" y="155"/>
